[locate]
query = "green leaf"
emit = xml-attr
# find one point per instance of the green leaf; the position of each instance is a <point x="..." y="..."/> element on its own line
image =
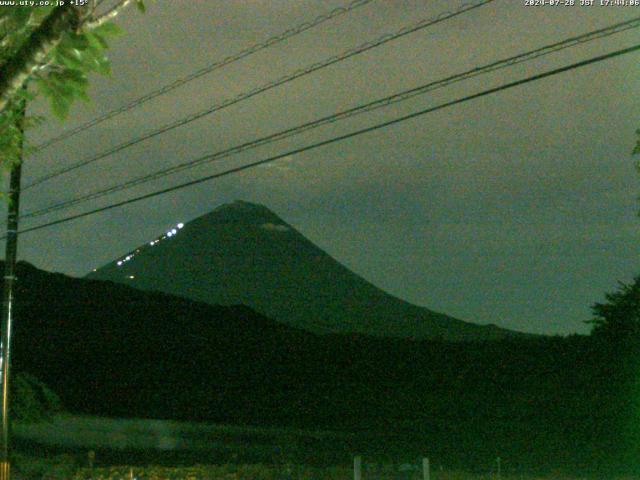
<point x="60" y="107"/>
<point x="60" y="95"/>
<point x="74" y="78"/>
<point x="40" y="13"/>
<point x="108" y="29"/>
<point x="44" y="88"/>
<point x="96" y="40"/>
<point x="60" y="85"/>
<point x="140" y="6"/>
<point x="103" y="65"/>
<point x="71" y="57"/>
<point x="95" y="61"/>
<point x="72" y="40"/>
<point x="78" y="41"/>
<point x="636" y="150"/>
<point x="21" y="16"/>
<point x="84" y="96"/>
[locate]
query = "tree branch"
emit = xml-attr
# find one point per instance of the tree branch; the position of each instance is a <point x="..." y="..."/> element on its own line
<point x="108" y="15"/>
<point x="15" y="72"/>
<point x="31" y="55"/>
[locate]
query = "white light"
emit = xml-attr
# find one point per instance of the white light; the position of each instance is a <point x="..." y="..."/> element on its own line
<point x="174" y="231"/>
<point x="152" y="243"/>
<point x="180" y="225"/>
<point x="169" y="234"/>
<point x="132" y="276"/>
<point x="119" y="262"/>
<point x="128" y="257"/>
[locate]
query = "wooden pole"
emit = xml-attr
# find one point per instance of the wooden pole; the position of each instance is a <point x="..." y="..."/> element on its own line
<point x="11" y="253"/>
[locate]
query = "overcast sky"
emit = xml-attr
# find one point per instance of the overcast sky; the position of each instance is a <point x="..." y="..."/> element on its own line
<point x="517" y="209"/>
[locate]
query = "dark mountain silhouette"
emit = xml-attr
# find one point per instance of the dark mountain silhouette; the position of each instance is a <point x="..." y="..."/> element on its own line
<point x="242" y="253"/>
<point x="112" y="350"/>
<point x="109" y="349"/>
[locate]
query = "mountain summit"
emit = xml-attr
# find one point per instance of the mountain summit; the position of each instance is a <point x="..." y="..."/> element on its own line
<point x="243" y="253"/>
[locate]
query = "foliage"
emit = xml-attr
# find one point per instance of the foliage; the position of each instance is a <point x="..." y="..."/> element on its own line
<point x="16" y="24"/>
<point x="12" y="125"/>
<point x="636" y="149"/>
<point x="270" y="472"/>
<point x="51" y="467"/>
<point x="32" y="400"/>
<point x="618" y="318"/>
<point x="76" y="56"/>
<point x="617" y="333"/>
<point x="114" y="351"/>
<point x="61" y="76"/>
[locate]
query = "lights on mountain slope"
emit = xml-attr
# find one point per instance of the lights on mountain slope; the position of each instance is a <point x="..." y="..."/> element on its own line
<point x="130" y="256"/>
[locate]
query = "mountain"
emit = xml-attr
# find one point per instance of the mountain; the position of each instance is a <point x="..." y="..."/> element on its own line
<point x="243" y="253"/>
<point x="111" y="350"/>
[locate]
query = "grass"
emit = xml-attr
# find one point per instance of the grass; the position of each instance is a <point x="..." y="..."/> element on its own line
<point x="269" y="472"/>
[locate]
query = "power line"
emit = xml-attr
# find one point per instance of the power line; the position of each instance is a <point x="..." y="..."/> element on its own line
<point x="371" y="106"/>
<point x="292" y="32"/>
<point x="261" y="89"/>
<point x="313" y="146"/>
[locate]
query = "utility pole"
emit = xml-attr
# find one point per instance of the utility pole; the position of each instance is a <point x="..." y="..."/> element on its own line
<point x="11" y="253"/>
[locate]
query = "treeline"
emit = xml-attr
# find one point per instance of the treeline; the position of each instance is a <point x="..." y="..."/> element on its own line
<point x="539" y="403"/>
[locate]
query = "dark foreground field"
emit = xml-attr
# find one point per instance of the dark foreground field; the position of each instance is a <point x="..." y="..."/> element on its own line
<point x="64" y="467"/>
<point x="83" y="447"/>
<point x="542" y="404"/>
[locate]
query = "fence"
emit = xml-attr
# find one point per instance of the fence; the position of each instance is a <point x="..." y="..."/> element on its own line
<point x="404" y="471"/>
